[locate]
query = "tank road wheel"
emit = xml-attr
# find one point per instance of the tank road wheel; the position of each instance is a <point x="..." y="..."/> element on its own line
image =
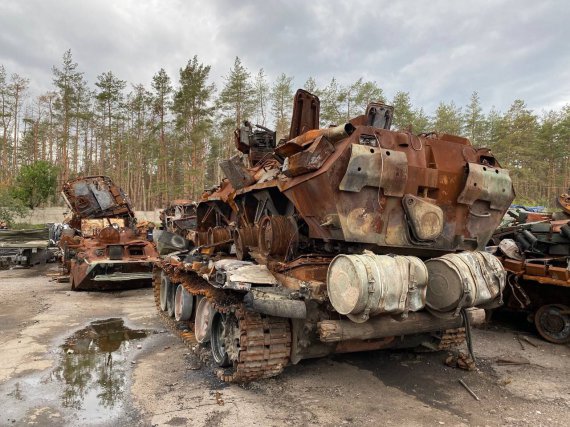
<point x="553" y="323"/>
<point x="225" y="339"/>
<point x="164" y="284"/>
<point x="170" y="295"/>
<point x="183" y="304"/>
<point x="203" y="320"/>
<point x="250" y="346"/>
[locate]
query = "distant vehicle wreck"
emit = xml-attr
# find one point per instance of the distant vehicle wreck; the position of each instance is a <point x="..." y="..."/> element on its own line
<point x="103" y="249"/>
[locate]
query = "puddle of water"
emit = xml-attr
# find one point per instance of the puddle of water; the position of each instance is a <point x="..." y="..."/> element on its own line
<point x="93" y="367"/>
<point x="89" y="385"/>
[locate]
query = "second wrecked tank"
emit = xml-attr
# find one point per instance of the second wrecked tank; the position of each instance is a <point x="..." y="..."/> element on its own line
<point x="340" y="239"/>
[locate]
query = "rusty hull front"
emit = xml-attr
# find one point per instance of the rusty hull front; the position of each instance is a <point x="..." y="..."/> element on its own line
<point x="112" y="252"/>
<point x="100" y="264"/>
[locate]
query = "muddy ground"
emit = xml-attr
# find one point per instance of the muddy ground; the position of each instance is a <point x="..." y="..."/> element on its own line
<point x="55" y="371"/>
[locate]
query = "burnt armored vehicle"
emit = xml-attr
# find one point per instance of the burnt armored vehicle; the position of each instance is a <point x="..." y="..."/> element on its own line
<point x="340" y="239"/>
<point x="534" y="248"/>
<point x="103" y="248"/>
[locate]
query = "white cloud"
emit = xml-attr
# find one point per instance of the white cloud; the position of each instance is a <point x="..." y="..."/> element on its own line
<point x="436" y="50"/>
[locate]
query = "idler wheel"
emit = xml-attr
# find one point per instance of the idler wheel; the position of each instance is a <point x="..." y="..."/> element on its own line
<point x="278" y="235"/>
<point x="183" y="304"/>
<point x="225" y="339"/>
<point x="203" y="320"/>
<point x="553" y="323"/>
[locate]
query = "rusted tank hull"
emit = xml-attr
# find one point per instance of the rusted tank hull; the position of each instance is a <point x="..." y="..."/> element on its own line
<point x="336" y="226"/>
<point x="104" y="276"/>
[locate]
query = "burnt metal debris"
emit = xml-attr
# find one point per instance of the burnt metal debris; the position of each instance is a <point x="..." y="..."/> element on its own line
<point x="534" y="248"/>
<point x="25" y="247"/>
<point x="103" y="248"/>
<point x="348" y="238"/>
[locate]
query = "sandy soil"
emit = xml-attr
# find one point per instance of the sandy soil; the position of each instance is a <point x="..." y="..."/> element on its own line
<point x="159" y="381"/>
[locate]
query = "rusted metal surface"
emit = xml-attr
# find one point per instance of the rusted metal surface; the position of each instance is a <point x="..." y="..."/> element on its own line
<point x="106" y="250"/>
<point x="179" y="217"/>
<point x="535" y="250"/>
<point x="305" y="113"/>
<point x="96" y="197"/>
<point x="344" y="191"/>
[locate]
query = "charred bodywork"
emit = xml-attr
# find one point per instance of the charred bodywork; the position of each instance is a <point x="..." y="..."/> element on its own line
<point x="104" y="249"/>
<point x="339" y="239"/>
<point x="535" y="250"/>
<point x="180" y="218"/>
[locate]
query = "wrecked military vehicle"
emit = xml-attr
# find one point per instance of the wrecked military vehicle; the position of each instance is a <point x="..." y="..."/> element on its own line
<point x="340" y="239"/>
<point x="25" y="247"/>
<point x="534" y="248"/>
<point x="103" y="249"/>
<point x="179" y="217"/>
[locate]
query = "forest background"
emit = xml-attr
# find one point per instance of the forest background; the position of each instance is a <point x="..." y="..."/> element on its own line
<point x="164" y="141"/>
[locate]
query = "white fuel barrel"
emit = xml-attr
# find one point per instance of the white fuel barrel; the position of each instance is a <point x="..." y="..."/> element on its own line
<point x="466" y="279"/>
<point x="361" y="286"/>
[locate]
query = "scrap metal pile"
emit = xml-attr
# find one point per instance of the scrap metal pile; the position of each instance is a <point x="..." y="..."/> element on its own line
<point x="534" y="248"/>
<point x="104" y="248"/>
<point x="341" y="239"/>
<point x="179" y="217"/>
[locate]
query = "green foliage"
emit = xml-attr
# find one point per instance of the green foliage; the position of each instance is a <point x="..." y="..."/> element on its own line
<point x="237" y="97"/>
<point x="403" y="113"/>
<point x="281" y="105"/>
<point x="35" y="183"/>
<point x="262" y="93"/>
<point x="10" y="207"/>
<point x="448" y="118"/>
<point x="165" y="140"/>
<point x="474" y="121"/>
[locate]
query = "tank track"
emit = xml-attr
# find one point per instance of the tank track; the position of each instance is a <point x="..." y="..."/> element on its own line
<point x="264" y="343"/>
<point x="451" y="338"/>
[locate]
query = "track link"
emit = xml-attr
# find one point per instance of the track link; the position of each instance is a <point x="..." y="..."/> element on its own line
<point x="264" y="341"/>
<point x="452" y="338"/>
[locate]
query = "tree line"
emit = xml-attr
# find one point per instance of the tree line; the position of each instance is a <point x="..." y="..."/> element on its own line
<point x="164" y="141"/>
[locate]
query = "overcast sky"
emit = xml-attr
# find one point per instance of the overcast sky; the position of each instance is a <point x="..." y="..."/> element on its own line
<point x="437" y="50"/>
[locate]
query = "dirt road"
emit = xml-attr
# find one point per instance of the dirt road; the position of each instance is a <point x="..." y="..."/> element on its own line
<point x="58" y="369"/>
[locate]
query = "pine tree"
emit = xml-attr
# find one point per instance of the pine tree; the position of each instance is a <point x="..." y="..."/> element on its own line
<point x="162" y="89"/>
<point x="474" y="121"/>
<point x="65" y="81"/>
<point x="238" y="94"/>
<point x="281" y="104"/>
<point x="261" y="97"/>
<point x="403" y="114"/>
<point x="332" y="104"/>
<point x="193" y="112"/>
<point x="236" y="101"/>
<point x="109" y="97"/>
<point x="6" y="118"/>
<point x="448" y="119"/>
<point x="312" y="87"/>
<point x="363" y="93"/>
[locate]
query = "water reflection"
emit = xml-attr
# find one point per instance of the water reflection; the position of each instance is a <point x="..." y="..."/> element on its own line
<point x="93" y="365"/>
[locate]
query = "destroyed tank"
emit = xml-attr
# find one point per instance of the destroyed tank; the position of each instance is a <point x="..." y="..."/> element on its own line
<point x="103" y="248"/>
<point x="341" y="239"/>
